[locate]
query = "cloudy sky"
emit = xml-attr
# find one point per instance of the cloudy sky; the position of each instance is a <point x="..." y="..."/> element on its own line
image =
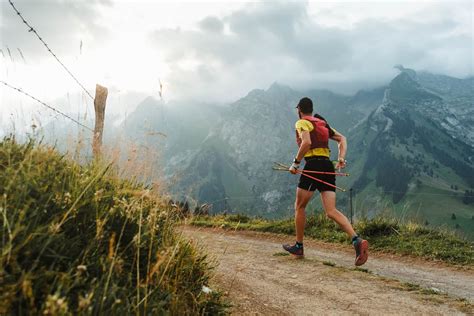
<point x="217" y="51"/>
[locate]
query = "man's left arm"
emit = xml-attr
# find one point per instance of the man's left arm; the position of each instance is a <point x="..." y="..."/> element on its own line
<point x="342" y="147"/>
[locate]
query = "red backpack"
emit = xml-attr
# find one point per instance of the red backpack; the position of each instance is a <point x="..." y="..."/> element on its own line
<point x="319" y="135"/>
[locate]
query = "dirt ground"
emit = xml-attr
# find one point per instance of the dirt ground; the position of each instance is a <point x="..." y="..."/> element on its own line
<point x="259" y="279"/>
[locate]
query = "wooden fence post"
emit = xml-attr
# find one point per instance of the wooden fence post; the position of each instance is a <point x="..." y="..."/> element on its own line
<point x="99" y="106"/>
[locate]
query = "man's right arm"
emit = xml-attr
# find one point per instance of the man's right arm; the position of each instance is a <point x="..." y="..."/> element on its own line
<point x="304" y="147"/>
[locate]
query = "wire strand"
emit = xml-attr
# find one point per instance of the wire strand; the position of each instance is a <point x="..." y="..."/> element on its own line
<point x="31" y="29"/>
<point x="46" y="105"/>
<point x="426" y="193"/>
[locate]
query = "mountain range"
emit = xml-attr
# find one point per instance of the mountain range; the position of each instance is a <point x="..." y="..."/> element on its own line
<point x="410" y="148"/>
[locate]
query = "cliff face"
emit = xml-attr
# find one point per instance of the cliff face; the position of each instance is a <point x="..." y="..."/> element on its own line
<point x="415" y="150"/>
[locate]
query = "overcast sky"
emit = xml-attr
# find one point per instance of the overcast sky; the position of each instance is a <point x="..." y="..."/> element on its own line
<point x="218" y="51"/>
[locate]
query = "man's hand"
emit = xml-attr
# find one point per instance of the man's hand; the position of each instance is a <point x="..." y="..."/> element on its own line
<point x="294" y="167"/>
<point x="341" y="163"/>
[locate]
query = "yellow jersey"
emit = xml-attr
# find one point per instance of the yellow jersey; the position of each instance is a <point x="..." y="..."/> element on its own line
<point x="305" y="125"/>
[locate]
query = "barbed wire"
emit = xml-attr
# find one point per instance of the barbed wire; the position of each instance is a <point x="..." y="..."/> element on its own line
<point x="460" y="194"/>
<point x="251" y="197"/>
<point x="31" y="29"/>
<point x="46" y="105"/>
<point x="237" y="198"/>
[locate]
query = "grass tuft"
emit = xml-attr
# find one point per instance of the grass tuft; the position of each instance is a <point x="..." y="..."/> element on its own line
<point x="364" y="270"/>
<point x="410" y="286"/>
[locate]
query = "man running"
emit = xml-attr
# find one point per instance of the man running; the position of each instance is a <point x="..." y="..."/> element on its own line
<point x="312" y="136"/>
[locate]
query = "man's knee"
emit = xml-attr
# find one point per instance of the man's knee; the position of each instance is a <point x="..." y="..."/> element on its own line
<point x="302" y="200"/>
<point x="299" y="208"/>
<point x="331" y="213"/>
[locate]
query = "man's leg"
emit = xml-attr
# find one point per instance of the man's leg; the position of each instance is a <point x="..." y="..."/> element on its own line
<point x="361" y="246"/>
<point x="302" y="199"/>
<point x="328" y="199"/>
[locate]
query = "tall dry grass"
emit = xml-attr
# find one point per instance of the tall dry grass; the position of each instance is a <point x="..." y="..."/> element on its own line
<point x="82" y="239"/>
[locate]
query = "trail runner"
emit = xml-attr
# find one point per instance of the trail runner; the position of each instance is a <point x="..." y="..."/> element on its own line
<point x="312" y="136"/>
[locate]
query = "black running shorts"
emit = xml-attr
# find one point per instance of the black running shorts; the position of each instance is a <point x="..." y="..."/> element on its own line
<point x="318" y="163"/>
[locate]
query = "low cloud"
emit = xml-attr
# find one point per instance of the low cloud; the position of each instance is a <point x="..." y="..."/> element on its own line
<point x="279" y="41"/>
<point x="63" y="25"/>
<point x="212" y="24"/>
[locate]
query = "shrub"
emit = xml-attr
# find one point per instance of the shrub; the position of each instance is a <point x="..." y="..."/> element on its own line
<point x="379" y="226"/>
<point x="238" y="218"/>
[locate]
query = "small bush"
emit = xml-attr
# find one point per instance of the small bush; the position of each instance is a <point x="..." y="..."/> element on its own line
<point x="379" y="226"/>
<point x="238" y="218"/>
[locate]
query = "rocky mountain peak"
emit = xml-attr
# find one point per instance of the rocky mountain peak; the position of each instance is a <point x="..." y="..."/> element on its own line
<point x="410" y="72"/>
<point x="278" y="87"/>
<point x="405" y="91"/>
<point x="255" y="93"/>
<point x="404" y="80"/>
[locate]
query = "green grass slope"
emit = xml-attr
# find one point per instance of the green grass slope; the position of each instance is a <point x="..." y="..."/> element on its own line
<point x="80" y="240"/>
<point x="384" y="234"/>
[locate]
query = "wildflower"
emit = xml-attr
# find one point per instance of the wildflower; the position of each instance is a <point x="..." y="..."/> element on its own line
<point x="67" y="198"/>
<point x="55" y="305"/>
<point x="54" y="228"/>
<point x="206" y="289"/>
<point x="435" y="290"/>
<point x="112" y="246"/>
<point x="27" y="289"/>
<point x="85" y="301"/>
<point x="98" y="195"/>
<point x="136" y="239"/>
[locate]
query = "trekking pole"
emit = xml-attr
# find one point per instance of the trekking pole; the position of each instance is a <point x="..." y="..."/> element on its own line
<point x="282" y="167"/>
<point x="342" y="174"/>
<point x="319" y="180"/>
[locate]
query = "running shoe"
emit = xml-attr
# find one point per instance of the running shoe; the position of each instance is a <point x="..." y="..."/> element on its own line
<point x="296" y="251"/>
<point x="361" y="247"/>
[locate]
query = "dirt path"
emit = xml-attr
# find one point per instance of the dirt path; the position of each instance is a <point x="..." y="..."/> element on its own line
<point x="259" y="279"/>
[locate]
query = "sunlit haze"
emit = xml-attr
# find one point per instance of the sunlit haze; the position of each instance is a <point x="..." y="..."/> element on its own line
<point x="218" y="51"/>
